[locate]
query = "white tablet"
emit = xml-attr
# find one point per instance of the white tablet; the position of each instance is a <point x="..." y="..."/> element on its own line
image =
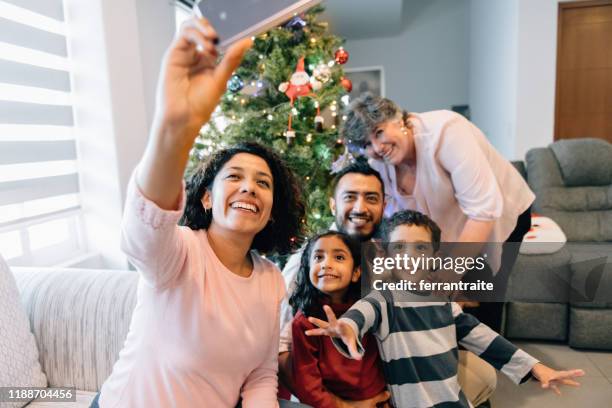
<point x="236" y="19"/>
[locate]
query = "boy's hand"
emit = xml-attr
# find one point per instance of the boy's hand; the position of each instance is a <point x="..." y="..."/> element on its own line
<point x="335" y="328"/>
<point x="550" y="378"/>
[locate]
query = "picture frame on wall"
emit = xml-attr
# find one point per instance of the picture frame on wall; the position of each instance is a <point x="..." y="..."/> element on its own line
<point x="366" y="79"/>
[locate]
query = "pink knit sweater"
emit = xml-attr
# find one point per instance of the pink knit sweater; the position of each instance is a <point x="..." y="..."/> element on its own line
<point x="200" y="336"/>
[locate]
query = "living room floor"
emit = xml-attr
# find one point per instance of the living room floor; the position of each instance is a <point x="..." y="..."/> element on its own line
<point x="595" y="391"/>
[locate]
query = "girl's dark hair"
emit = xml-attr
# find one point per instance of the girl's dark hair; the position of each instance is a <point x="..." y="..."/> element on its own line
<point x="283" y="232"/>
<point x="306" y="297"/>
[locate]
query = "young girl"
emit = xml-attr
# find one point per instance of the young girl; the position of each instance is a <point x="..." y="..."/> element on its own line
<point x="329" y="275"/>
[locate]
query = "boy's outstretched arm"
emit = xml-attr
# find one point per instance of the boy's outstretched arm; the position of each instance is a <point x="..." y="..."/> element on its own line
<point x="551" y="378"/>
<point x="337" y="329"/>
<point x="505" y="356"/>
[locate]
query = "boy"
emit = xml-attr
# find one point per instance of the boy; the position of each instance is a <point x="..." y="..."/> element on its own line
<point x="418" y="342"/>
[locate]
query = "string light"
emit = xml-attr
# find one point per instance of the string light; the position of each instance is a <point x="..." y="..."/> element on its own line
<point x="313" y="40"/>
<point x="309" y="138"/>
<point x="294" y="111"/>
<point x="344" y="117"/>
<point x="270" y="117"/>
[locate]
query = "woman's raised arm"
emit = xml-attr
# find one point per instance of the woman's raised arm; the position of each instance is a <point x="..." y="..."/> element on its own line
<point x="189" y="88"/>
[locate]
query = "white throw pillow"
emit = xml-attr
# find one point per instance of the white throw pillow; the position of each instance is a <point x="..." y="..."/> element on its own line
<point x="19" y="365"/>
<point x="544" y="237"/>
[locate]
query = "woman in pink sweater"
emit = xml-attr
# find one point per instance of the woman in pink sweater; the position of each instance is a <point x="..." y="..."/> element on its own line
<point x="204" y="332"/>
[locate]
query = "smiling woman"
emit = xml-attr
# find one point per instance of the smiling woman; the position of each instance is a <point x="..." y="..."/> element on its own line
<point x="261" y="168"/>
<point x="206" y="323"/>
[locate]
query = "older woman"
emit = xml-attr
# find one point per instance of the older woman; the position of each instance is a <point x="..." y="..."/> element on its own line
<point x="441" y="164"/>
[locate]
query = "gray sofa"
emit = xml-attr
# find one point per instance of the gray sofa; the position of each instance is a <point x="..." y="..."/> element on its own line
<point x="79" y="318"/>
<point x="567" y="295"/>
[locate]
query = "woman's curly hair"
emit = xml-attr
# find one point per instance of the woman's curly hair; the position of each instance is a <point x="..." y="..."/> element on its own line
<point x="283" y="233"/>
<point x="364" y="114"/>
<point x="306" y="297"/>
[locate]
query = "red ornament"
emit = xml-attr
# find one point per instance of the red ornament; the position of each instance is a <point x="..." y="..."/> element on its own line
<point x="346" y="84"/>
<point x="341" y="56"/>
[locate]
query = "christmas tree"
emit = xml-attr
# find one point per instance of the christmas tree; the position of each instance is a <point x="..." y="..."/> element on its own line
<point x="291" y="75"/>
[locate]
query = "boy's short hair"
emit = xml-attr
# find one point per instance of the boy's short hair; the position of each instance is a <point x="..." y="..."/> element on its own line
<point x="359" y="166"/>
<point x="410" y="217"/>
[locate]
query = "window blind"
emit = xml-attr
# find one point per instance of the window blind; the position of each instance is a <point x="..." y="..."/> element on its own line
<point x="38" y="168"/>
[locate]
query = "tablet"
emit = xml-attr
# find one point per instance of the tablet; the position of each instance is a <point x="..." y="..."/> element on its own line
<point x="236" y="19"/>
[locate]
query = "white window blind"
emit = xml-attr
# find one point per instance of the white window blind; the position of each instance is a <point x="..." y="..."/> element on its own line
<point x="39" y="190"/>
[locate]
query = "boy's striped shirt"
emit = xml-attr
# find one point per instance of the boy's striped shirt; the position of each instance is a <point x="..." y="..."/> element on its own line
<point x="418" y="344"/>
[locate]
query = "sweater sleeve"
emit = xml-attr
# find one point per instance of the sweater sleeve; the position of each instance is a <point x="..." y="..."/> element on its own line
<point x="260" y="388"/>
<point x="491" y="347"/>
<point x="151" y="238"/>
<point x="289" y="275"/>
<point x="369" y="314"/>
<point x="475" y="184"/>
<point x="308" y="385"/>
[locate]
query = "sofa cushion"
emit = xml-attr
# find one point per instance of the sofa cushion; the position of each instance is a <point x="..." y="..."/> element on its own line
<point x="540" y="278"/>
<point x="584" y="162"/>
<point x="537" y="321"/>
<point x="19" y="365"/>
<point x="591" y="279"/>
<point x="590" y="328"/>
<point x="577" y="198"/>
<point x="80" y="318"/>
<point x="83" y="400"/>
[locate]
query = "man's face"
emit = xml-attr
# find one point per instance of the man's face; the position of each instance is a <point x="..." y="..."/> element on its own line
<point x="358" y="205"/>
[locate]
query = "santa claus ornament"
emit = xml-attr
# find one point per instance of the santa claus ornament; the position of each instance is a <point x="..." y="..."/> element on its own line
<point x="300" y="85"/>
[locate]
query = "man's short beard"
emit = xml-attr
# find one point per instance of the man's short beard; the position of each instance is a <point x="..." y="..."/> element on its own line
<point x="340" y="225"/>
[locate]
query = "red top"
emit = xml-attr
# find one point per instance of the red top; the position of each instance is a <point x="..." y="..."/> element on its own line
<point x="319" y="370"/>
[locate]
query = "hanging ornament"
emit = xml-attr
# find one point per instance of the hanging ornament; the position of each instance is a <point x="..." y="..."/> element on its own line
<point x="319" y="123"/>
<point x="341" y="56"/>
<point x="346" y="84"/>
<point x="296" y="23"/>
<point x="290" y="136"/>
<point x="298" y="86"/>
<point x="322" y="73"/>
<point x="296" y="26"/>
<point x="235" y="84"/>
